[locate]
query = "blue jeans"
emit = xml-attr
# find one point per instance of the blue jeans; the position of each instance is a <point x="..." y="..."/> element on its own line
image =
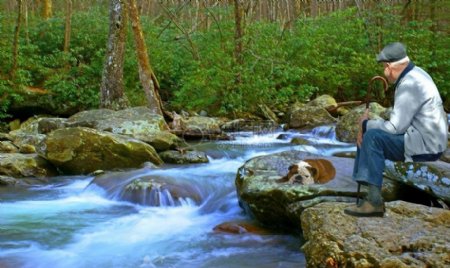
<point x="377" y="146"/>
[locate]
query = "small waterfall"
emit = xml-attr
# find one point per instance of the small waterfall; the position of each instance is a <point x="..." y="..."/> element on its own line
<point x="327" y="132"/>
<point x="149" y="187"/>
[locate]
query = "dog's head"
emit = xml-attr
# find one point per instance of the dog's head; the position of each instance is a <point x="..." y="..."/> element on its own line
<point x="302" y="173"/>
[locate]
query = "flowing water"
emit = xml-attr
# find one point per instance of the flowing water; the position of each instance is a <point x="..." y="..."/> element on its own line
<point x="71" y="224"/>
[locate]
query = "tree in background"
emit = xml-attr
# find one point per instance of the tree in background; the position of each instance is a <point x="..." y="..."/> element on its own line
<point x="15" y="49"/>
<point x="146" y="75"/>
<point x="47" y="9"/>
<point x="292" y="50"/>
<point x="112" y="89"/>
<point x="67" y="28"/>
<point x="238" y="39"/>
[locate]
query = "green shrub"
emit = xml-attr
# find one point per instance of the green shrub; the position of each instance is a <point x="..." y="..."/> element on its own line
<point x="332" y="54"/>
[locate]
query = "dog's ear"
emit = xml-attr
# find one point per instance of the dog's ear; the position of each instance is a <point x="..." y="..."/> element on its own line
<point x="293" y="168"/>
<point x="313" y="171"/>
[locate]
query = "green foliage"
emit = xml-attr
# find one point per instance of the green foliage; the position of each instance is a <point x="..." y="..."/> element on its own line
<point x="332" y="54"/>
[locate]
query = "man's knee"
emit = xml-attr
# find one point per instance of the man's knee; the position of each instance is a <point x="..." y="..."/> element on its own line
<point x="373" y="134"/>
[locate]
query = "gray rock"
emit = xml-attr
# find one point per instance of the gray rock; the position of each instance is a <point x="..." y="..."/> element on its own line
<point x="46" y="125"/>
<point x="409" y="235"/>
<point x="323" y="101"/>
<point x="8" y="181"/>
<point x="279" y="204"/>
<point x="187" y="157"/>
<point x="347" y="126"/>
<point x="197" y="127"/>
<point x="307" y="116"/>
<point x="8" y="147"/>
<point x="446" y="155"/>
<point x="137" y="122"/>
<point x="83" y="150"/>
<point x="430" y="177"/>
<point x="25" y="165"/>
<point x="139" y="186"/>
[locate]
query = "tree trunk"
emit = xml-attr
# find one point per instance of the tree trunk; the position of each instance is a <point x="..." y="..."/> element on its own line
<point x="112" y="90"/>
<point x="238" y="42"/>
<point x="146" y="75"/>
<point x="25" y="11"/>
<point x="46" y="9"/>
<point x="16" y="40"/>
<point x="67" y="29"/>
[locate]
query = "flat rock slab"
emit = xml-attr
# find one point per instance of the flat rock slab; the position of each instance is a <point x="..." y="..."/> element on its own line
<point x="409" y="235"/>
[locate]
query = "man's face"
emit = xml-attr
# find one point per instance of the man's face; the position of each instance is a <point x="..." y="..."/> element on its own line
<point x="388" y="72"/>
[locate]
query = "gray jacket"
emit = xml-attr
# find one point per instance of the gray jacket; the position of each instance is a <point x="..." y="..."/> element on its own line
<point x="418" y="113"/>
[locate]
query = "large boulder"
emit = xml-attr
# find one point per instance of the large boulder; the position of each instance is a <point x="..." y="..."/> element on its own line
<point x="81" y="150"/>
<point x="137" y="122"/>
<point x="18" y="165"/>
<point x="197" y="127"/>
<point x="309" y="116"/>
<point x="28" y="133"/>
<point x="409" y="235"/>
<point x="446" y="155"/>
<point x="431" y="177"/>
<point x="347" y="126"/>
<point x="323" y="101"/>
<point x="126" y="122"/>
<point x="280" y="204"/>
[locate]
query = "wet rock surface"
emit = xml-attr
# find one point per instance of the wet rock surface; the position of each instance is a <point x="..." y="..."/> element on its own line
<point x="279" y="204"/>
<point x="18" y="165"/>
<point x="141" y="186"/>
<point x="187" y="157"/>
<point x="409" y="235"/>
<point x="82" y="150"/>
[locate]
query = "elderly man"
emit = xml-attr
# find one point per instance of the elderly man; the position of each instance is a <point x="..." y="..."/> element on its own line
<point x="416" y="130"/>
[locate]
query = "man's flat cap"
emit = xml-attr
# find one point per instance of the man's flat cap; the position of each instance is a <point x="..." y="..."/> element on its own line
<point x="392" y="52"/>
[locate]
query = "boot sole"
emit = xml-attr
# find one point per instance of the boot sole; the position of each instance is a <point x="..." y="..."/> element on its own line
<point x="366" y="214"/>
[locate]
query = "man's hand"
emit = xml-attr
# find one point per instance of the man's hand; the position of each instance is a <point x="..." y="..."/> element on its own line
<point x="359" y="137"/>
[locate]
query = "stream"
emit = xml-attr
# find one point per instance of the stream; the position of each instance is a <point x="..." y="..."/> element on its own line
<point x="69" y="223"/>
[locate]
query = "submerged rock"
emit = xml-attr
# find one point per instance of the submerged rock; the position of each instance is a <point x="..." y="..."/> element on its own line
<point x="141" y="186"/>
<point x="409" y="235"/>
<point x="8" y="181"/>
<point x="241" y="227"/>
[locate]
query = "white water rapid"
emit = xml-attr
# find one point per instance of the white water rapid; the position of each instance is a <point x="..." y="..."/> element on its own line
<point x="67" y="224"/>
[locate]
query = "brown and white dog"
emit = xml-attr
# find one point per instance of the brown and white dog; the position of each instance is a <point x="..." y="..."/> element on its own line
<point x="310" y="171"/>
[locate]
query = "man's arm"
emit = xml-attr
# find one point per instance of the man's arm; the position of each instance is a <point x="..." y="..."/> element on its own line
<point x="406" y="104"/>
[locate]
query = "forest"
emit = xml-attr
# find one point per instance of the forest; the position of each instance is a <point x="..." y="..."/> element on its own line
<point x="222" y="57"/>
